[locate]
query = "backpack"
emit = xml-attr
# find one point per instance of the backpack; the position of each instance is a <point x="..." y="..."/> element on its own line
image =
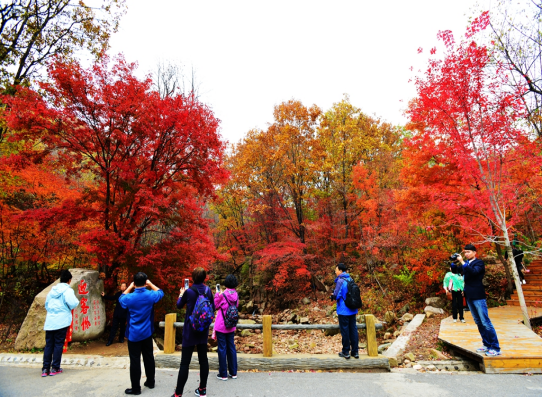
<point x="203" y="313"/>
<point x="353" y="295"/>
<point x="232" y="315"/>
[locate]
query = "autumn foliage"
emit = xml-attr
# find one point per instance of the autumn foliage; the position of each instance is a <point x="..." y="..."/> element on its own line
<point x="120" y="173"/>
<point x="99" y="170"/>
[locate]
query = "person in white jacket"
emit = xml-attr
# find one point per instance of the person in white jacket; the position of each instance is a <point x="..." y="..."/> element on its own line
<point x="59" y="304"/>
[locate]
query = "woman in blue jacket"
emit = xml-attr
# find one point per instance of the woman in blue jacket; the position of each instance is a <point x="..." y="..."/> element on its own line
<point x="59" y="304"/>
<point x="347" y="316"/>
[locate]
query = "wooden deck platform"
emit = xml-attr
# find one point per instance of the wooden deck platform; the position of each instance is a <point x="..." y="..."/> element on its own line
<point x="521" y="348"/>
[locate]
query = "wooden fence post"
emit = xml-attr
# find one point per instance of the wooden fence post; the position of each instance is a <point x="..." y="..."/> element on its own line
<point x="169" y="334"/>
<point x="372" y="347"/>
<point x="267" y="336"/>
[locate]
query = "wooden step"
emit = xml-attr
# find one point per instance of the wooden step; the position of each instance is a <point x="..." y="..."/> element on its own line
<point x="528" y="296"/>
<point x="527" y="302"/>
<point x="536" y="262"/>
<point x="529" y="287"/>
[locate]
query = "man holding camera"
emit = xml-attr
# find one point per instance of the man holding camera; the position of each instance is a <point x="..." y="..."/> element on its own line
<point x="140" y="306"/>
<point x="473" y="270"/>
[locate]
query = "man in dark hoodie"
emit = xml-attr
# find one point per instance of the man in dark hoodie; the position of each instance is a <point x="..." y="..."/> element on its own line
<point x="473" y="271"/>
<point x="119" y="316"/>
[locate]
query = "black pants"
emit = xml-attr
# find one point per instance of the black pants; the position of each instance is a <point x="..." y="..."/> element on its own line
<point x="186" y="357"/>
<point x="135" y="350"/>
<point x="457" y="304"/>
<point x="520" y="272"/>
<point x="114" y="326"/>
<point x="349" y="333"/>
<point x="54" y="342"/>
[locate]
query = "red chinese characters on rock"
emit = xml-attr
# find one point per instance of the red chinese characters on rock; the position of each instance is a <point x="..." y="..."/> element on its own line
<point x="84" y="306"/>
<point x="82" y="288"/>
<point x="76" y="322"/>
<point x="85" y="324"/>
<point x="96" y="312"/>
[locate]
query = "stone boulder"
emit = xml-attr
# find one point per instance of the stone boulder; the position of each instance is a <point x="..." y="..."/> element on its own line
<point x="436" y="302"/>
<point x="88" y="318"/>
<point x="407" y="317"/>
<point x="304" y="320"/>
<point x="383" y="347"/>
<point x="410" y="356"/>
<point x="389" y="317"/>
<point x="430" y="311"/>
<point x="331" y="332"/>
<point x="306" y="301"/>
<point x="246" y="322"/>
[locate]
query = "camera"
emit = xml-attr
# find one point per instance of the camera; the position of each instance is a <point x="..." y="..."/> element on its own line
<point x="454" y="256"/>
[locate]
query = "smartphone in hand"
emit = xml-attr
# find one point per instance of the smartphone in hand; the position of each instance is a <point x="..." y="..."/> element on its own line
<point x="186" y="284"/>
<point x="218" y="287"/>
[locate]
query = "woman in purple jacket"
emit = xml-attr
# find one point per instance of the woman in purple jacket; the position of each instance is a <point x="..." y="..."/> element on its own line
<point x="192" y="339"/>
<point x="224" y="335"/>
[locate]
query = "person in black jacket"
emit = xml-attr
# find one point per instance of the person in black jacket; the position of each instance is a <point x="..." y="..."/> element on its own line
<point x="473" y="271"/>
<point x="518" y="259"/>
<point x="119" y="316"/>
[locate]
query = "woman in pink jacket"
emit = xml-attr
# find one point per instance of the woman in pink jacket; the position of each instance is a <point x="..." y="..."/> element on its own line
<point x="224" y="336"/>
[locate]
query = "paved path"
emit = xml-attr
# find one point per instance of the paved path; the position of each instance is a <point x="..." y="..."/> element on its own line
<point x="27" y="381"/>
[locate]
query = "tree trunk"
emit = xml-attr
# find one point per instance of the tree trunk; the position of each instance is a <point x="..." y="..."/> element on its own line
<point x="519" y="289"/>
<point x="509" y="280"/>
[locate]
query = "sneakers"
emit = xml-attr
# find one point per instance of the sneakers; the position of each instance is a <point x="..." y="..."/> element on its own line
<point x="44" y="372"/>
<point x="201" y="392"/>
<point x="149" y="384"/>
<point x="524" y="282"/>
<point x="343" y="355"/>
<point x="232" y="376"/>
<point x="55" y="371"/>
<point x="455" y="320"/>
<point x="356" y="355"/>
<point x="463" y="321"/>
<point x="175" y="394"/>
<point x="222" y="378"/>
<point x="493" y="353"/>
<point x="482" y="349"/>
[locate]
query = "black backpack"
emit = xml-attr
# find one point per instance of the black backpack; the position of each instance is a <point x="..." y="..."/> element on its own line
<point x="232" y="314"/>
<point x="353" y="295"/>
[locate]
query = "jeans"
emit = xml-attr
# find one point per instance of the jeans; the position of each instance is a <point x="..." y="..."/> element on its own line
<point x="114" y="326"/>
<point x="54" y="343"/>
<point x="186" y="357"/>
<point x="349" y="333"/>
<point x="226" y="350"/>
<point x="136" y="349"/>
<point x="457" y="304"/>
<point x="478" y="309"/>
<point x="520" y="272"/>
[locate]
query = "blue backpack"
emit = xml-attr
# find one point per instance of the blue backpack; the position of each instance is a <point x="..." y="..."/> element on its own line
<point x="203" y="313"/>
<point x="232" y="314"/>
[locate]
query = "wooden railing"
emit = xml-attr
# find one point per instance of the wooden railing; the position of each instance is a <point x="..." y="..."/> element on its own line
<point x="370" y="326"/>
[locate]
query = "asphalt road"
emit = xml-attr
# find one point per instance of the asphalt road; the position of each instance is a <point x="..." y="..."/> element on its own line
<point x="27" y="382"/>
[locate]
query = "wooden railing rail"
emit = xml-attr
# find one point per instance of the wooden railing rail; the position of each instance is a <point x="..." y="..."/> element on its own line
<point x="372" y="348"/>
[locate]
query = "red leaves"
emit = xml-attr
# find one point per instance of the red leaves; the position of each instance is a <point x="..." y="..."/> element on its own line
<point x="463" y="157"/>
<point x="479" y="24"/>
<point x="153" y="162"/>
<point x="447" y="37"/>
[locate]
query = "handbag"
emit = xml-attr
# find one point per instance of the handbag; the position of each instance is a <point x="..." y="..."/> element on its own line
<point x="450" y="287"/>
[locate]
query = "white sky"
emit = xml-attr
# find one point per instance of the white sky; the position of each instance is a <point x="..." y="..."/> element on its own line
<point x="252" y="55"/>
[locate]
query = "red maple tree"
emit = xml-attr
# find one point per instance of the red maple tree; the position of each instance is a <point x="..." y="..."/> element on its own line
<point x="469" y="156"/>
<point x="150" y="164"/>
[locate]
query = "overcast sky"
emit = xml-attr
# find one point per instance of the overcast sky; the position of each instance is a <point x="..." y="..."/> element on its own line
<point x="251" y="55"/>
